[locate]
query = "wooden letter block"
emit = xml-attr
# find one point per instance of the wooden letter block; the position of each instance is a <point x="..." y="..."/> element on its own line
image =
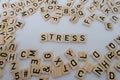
<point x="54" y="20"/>
<point x="105" y="64"/>
<point x="110" y="55"/>
<point x="88" y="66"/>
<point x="108" y="26"/>
<point x="82" y="56"/>
<point x="12" y="57"/>
<point x="67" y="38"/>
<point x="80" y="13"/>
<point x="91" y="8"/>
<point x="12" y="47"/>
<point x="46" y="16"/>
<point x="111" y="74"/>
<point x="47" y="56"/>
<point x="2" y="48"/>
<point x="43" y="37"/>
<point x="69" y="54"/>
<point x="82" y="38"/>
<point x="26" y="73"/>
<point x="117" y="39"/>
<point x="117" y="66"/>
<point x="13" y="66"/>
<point x="92" y="16"/>
<point x="74" y="19"/>
<point x="59" y="38"/>
<point x="4" y="55"/>
<point x="96" y="55"/>
<point x="87" y="22"/>
<point x="111" y="46"/>
<point x="115" y="19"/>
<point x="80" y="74"/>
<point x="52" y="37"/>
<point x="2" y="63"/>
<point x="19" y="24"/>
<point x="36" y="70"/>
<point x="73" y="63"/>
<point x="23" y="54"/>
<point x="2" y="41"/>
<point x="57" y="61"/>
<point x="17" y="75"/>
<point x="56" y="72"/>
<point x="35" y="62"/>
<point x="9" y="38"/>
<point x="10" y="30"/>
<point x="65" y="69"/>
<point x="46" y="69"/>
<point x="66" y="11"/>
<point x="32" y="53"/>
<point x="101" y="18"/>
<point x="98" y="70"/>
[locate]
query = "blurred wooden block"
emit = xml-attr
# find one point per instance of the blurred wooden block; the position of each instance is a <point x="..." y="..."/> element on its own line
<point x="10" y="30"/>
<point x="92" y="16"/>
<point x="96" y="55"/>
<point x="13" y="5"/>
<point x="56" y="72"/>
<point x="104" y="63"/>
<point x="110" y="55"/>
<point x="17" y="75"/>
<point x="9" y="38"/>
<point x="59" y="38"/>
<point x="82" y="56"/>
<point x="87" y="22"/>
<point x="88" y="66"/>
<point x="65" y="11"/>
<point x="117" y="53"/>
<point x="4" y="14"/>
<point x="98" y="70"/>
<point x="117" y="66"/>
<point x="12" y="13"/>
<point x="80" y="13"/>
<point x="3" y="55"/>
<point x="74" y="38"/>
<point x="35" y="5"/>
<point x="73" y="63"/>
<point x="36" y="70"/>
<point x="1" y="74"/>
<point x="111" y="74"/>
<point x="91" y="8"/>
<point x="50" y="7"/>
<point x="43" y="37"/>
<point x="111" y="46"/>
<point x="32" y="53"/>
<point x="117" y="39"/>
<point x="47" y="56"/>
<point x="115" y="19"/>
<point x="35" y="62"/>
<point x="14" y="66"/>
<point x="73" y="11"/>
<point x="65" y="69"/>
<point x="74" y="19"/>
<point x="46" y="16"/>
<point x="69" y="53"/>
<point x="46" y="69"/>
<point x="80" y="74"/>
<point x="57" y="61"/>
<point x="12" y="56"/>
<point x="23" y="54"/>
<point x="108" y="26"/>
<point x="2" y="63"/>
<point x="31" y="11"/>
<point x="43" y="10"/>
<point x="83" y="1"/>
<point x="106" y="11"/>
<point x="24" y="14"/>
<point x="54" y="20"/>
<point x="12" y="47"/>
<point x="115" y="9"/>
<point x="79" y="6"/>
<point x="26" y="73"/>
<point x="12" y="21"/>
<point x="5" y="5"/>
<point x="101" y="18"/>
<point x="19" y="24"/>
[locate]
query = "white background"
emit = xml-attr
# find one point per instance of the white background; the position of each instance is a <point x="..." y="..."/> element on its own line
<point x="29" y="37"/>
